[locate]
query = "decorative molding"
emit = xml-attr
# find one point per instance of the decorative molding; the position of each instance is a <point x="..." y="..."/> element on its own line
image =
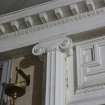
<point x="74" y="8"/>
<point x="69" y="83"/>
<point x="58" y="53"/>
<point x="53" y="24"/>
<point x="15" y="25"/>
<point x="62" y="44"/>
<point x="59" y="13"/>
<point x="2" y="29"/>
<point x="92" y="88"/>
<point x="38" y="33"/>
<point x="29" y="21"/>
<point x="66" y="46"/>
<point x="90" y="68"/>
<point x="55" y="78"/>
<point x="37" y="50"/>
<point x="43" y="17"/>
<point x="92" y="41"/>
<point x="89" y="90"/>
<point x="90" y="5"/>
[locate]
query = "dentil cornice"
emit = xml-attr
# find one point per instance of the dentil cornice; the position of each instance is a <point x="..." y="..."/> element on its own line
<point x="54" y="16"/>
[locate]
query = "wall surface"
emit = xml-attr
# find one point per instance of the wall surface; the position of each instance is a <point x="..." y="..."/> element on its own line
<point x="30" y="65"/>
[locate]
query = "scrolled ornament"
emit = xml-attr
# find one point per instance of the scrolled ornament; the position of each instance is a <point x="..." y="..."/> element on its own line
<point x="37" y="50"/>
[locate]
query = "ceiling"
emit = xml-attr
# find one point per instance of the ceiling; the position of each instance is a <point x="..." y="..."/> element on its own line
<point x="7" y="6"/>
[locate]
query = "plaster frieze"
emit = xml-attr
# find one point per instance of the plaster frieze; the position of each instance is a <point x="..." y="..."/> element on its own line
<point x="46" y="22"/>
<point x="48" y="25"/>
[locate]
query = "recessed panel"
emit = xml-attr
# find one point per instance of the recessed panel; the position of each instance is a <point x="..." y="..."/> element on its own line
<point x="90" y="64"/>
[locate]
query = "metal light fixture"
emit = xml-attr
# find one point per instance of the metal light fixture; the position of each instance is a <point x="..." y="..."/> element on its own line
<point x="16" y="89"/>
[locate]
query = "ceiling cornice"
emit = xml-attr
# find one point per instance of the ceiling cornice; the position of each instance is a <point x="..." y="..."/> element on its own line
<point x="60" y="21"/>
<point x="52" y="17"/>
